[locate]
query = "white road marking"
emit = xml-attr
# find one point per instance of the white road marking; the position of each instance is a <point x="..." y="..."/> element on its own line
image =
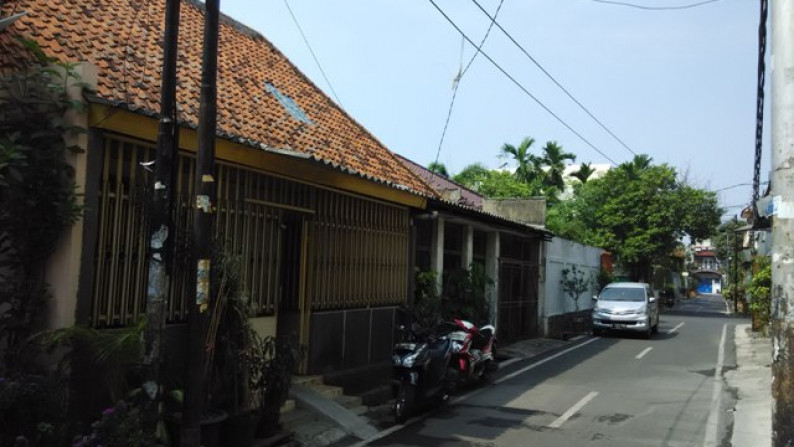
<point x="509" y="362"/>
<point x="712" y="424"/>
<point x="538" y="363"/>
<point x="413" y="420"/>
<point x="642" y="354"/>
<point x="678" y="326"/>
<point x="571" y="411"/>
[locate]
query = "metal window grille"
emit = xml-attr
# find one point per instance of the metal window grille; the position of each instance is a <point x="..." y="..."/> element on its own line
<point x="361" y="253"/>
<point x="358" y="248"/>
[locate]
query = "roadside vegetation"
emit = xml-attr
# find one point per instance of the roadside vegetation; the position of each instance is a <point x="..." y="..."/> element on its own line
<point x="639" y="211"/>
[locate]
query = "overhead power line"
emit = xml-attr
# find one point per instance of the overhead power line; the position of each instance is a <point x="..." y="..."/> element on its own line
<point x="521" y="86"/>
<point x="548" y="75"/>
<point x="657" y="8"/>
<point x="736" y="186"/>
<point x="460" y="76"/>
<point x="316" y="61"/>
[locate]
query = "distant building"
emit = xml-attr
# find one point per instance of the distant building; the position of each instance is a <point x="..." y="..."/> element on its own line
<point x="707" y="269"/>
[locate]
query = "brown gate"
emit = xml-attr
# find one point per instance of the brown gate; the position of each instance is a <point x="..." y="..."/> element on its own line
<point x="518" y="299"/>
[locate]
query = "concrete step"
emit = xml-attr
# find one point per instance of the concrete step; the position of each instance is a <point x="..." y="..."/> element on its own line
<point x="359" y="410"/>
<point x="348" y="401"/>
<point x="327" y="391"/>
<point x="307" y="380"/>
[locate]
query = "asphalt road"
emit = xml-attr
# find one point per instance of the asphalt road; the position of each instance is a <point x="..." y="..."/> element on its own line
<point x="616" y="390"/>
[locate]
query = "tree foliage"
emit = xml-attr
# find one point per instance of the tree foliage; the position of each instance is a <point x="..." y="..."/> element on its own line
<point x="584" y="173"/>
<point x="528" y="165"/>
<point x="553" y="164"/>
<point x="574" y="283"/>
<point x="760" y="291"/>
<point x="438" y="168"/>
<point x="495" y="184"/>
<point x="724" y="240"/>
<point x="37" y="192"/>
<point x="639" y="212"/>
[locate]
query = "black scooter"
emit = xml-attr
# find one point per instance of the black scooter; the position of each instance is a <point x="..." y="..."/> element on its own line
<point x="421" y="372"/>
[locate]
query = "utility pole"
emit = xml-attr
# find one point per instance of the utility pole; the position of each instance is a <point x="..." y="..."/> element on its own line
<point x="782" y="64"/>
<point x="205" y="192"/>
<point x="160" y="225"/>
<point x="735" y="271"/>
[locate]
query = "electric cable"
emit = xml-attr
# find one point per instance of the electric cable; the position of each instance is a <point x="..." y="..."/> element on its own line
<point x="548" y="75"/>
<point x="736" y="186"/>
<point x="521" y="86"/>
<point x="316" y="61"/>
<point x="656" y="8"/>
<point x="458" y="78"/>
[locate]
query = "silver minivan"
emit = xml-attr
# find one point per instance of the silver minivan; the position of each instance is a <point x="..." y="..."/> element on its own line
<point x="626" y="306"/>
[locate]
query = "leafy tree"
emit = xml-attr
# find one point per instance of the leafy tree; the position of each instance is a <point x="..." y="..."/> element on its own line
<point x="584" y="172"/>
<point x="639" y="212"/>
<point x="496" y="184"/>
<point x="574" y="283"/>
<point x="438" y="168"/>
<point x="553" y="163"/>
<point x="760" y="291"/>
<point x="37" y="190"/>
<point x="472" y="176"/>
<point x="725" y="239"/>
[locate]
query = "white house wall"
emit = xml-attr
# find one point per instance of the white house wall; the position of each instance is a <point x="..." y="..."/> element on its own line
<point x="561" y="254"/>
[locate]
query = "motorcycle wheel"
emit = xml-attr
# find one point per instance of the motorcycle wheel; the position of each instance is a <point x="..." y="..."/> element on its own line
<point x="451" y="386"/>
<point x="404" y="403"/>
<point x="487" y="373"/>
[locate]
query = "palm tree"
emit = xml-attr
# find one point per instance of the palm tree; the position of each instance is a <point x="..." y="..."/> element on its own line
<point x="527" y="164"/>
<point x="634" y="167"/>
<point x="584" y="172"/>
<point x="554" y="161"/>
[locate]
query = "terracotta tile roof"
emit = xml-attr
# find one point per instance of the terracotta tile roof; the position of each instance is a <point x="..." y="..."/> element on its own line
<point x="440" y="183"/>
<point x="705" y="253"/>
<point x="123" y="38"/>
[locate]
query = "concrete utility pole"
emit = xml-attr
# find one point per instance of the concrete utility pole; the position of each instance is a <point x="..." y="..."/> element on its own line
<point x="735" y="270"/>
<point x="782" y="56"/>
<point x="205" y="192"/>
<point x="160" y="225"/>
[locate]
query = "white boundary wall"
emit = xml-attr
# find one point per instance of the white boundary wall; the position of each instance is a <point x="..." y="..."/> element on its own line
<point x="563" y="253"/>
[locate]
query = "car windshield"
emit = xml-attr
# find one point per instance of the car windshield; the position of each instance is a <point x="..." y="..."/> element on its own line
<point x="623" y="294"/>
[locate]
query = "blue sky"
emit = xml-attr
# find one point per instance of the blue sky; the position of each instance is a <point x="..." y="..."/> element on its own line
<point x="677" y="85"/>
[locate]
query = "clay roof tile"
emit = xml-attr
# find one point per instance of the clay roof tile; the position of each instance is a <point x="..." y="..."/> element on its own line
<point x="123" y="38"/>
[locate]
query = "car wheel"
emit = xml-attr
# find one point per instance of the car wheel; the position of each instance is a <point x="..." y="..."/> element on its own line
<point x="648" y="330"/>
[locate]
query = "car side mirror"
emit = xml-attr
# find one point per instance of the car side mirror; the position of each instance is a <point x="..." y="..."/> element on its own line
<point x="595" y="298"/>
<point x="652" y="299"/>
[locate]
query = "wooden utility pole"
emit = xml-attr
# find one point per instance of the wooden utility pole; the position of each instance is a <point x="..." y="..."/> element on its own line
<point x="160" y="225"/>
<point x="782" y="89"/>
<point x="204" y="208"/>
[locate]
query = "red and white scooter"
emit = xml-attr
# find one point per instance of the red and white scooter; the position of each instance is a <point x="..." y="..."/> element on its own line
<point x="473" y="351"/>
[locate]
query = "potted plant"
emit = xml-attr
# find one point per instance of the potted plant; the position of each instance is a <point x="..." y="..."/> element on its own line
<point x="271" y="363"/>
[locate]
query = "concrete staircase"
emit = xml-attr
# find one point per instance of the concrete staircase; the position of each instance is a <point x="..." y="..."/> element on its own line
<point x="322" y="414"/>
